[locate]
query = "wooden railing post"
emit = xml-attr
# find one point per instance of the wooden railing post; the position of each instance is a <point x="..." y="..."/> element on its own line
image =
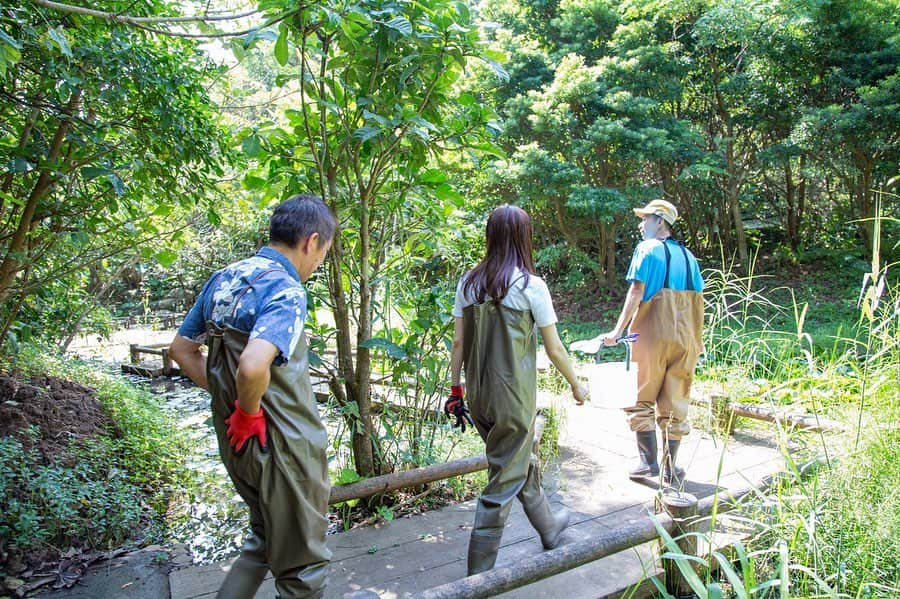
<point x="682" y="507"/>
<point x="166" y="361"/>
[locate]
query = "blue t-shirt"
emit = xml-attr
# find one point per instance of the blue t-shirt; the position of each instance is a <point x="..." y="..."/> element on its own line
<point x="648" y="265"/>
<point x="267" y="305"/>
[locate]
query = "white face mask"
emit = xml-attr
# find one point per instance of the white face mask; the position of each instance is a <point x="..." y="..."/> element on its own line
<point x="649" y="226"/>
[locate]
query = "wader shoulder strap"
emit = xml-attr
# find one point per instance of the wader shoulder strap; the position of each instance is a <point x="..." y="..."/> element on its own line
<point x="249" y="286"/>
<point x="668" y="258"/>
<point x="237" y="300"/>
<point x="687" y="266"/>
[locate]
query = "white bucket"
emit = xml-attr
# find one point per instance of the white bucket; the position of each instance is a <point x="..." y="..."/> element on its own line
<point x="612" y="386"/>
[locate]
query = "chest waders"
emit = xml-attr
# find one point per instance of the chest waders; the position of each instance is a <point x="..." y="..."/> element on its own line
<point x="670" y="325"/>
<point x="500" y="361"/>
<point x="286" y="486"/>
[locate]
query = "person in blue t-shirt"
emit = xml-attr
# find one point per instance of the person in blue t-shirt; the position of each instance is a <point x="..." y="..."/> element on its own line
<point x="664" y="305"/>
<point x="251" y="315"/>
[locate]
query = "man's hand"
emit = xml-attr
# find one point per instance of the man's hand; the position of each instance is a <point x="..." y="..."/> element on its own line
<point x="456" y="406"/>
<point x="611" y="338"/>
<point x="242" y="426"/>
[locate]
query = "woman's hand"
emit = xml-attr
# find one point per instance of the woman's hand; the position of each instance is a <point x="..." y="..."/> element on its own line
<point x="581" y="394"/>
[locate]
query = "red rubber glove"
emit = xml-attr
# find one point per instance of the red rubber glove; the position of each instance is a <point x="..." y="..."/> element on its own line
<point x="242" y="426"/>
<point x="456" y="406"/>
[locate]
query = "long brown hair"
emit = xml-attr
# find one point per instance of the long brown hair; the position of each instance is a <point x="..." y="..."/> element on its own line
<point x="508" y="240"/>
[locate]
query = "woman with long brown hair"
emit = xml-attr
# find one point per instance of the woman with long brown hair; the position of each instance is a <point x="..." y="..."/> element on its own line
<point x="500" y="306"/>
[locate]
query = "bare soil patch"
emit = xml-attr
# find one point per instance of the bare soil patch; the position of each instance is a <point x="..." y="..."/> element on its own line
<point x="64" y="412"/>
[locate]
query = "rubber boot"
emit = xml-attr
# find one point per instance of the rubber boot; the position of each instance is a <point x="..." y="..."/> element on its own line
<point x="246" y="574"/>
<point x="669" y="457"/>
<point x="483" y="547"/>
<point x="549" y="525"/>
<point x="647" y="465"/>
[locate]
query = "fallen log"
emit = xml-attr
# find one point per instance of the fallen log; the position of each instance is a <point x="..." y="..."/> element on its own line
<point x="406" y="478"/>
<point x="802" y="421"/>
<point x="726" y="412"/>
<point x="418" y="476"/>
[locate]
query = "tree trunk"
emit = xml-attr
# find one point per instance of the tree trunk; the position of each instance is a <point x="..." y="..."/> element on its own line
<point x="13" y="259"/>
<point x="610" y="251"/>
<point x="363" y="449"/>
<point x="790" y="202"/>
<point x="865" y="207"/>
<point x="801" y="197"/>
<point x="732" y="197"/>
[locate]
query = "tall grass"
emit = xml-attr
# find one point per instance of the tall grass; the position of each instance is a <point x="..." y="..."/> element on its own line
<point x="836" y="533"/>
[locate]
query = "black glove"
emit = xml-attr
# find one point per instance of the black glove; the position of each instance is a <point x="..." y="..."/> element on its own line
<point x="456" y="406"/>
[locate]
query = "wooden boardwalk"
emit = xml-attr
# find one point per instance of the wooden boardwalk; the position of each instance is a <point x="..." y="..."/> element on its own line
<point x="590" y="479"/>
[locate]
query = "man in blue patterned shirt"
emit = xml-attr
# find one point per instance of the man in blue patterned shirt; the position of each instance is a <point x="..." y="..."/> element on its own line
<point x="251" y="316"/>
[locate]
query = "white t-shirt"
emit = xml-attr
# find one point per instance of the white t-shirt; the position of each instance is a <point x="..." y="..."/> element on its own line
<point x="534" y="297"/>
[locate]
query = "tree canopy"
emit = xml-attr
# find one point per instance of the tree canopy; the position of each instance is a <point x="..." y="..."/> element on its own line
<point x="106" y="131"/>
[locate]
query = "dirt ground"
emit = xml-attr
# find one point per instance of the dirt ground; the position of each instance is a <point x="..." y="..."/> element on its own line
<point x="64" y="413"/>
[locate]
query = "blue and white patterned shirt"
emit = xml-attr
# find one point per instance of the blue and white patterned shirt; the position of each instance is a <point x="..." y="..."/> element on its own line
<point x="268" y="305"/>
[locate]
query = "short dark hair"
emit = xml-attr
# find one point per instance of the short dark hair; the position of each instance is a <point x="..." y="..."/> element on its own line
<point x="300" y="216"/>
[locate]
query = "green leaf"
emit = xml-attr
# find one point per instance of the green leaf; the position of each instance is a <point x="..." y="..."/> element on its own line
<point x="10" y="52"/>
<point x="117" y="184"/>
<point x="433" y="176"/>
<point x="445" y="192"/>
<point x="59" y="36"/>
<point x="364" y="134"/>
<point x="681" y="561"/>
<point x="252" y="182"/>
<point x="501" y="73"/>
<point x="237" y="48"/>
<point x="18" y="165"/>
<point x="491" y="149"/>
<point x="9" y="41"/>
<point x="166" y="258"/>
<point x="281" y="45"/>
<point x="462" y="10"/>
<point x="347" y="476"/>
<point x="393" y="350"/>
<point x="401" y="24"/>
<point x="735" y="580"/>
<point x="495" y="55"/>
<point x="163" y="210"/>
<point x="92" y="172"/>
<point x="251" y="145"/>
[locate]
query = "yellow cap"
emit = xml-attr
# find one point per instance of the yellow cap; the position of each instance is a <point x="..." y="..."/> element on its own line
<point x="662" y="208"/>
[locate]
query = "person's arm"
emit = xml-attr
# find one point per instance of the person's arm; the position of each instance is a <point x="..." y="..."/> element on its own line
<point x="253" y="374"/>
<point x="632" y="303"/>
<point x="190" y="359"/>
<point x="560" y="359"/>
<point x="456" y="352"/>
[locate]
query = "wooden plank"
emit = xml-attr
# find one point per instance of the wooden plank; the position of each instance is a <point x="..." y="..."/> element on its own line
<point x="142" y="370"/>
<point x="566" y="557"/>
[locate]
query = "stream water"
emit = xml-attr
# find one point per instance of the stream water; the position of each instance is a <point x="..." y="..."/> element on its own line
<point x="209" y="517"/>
